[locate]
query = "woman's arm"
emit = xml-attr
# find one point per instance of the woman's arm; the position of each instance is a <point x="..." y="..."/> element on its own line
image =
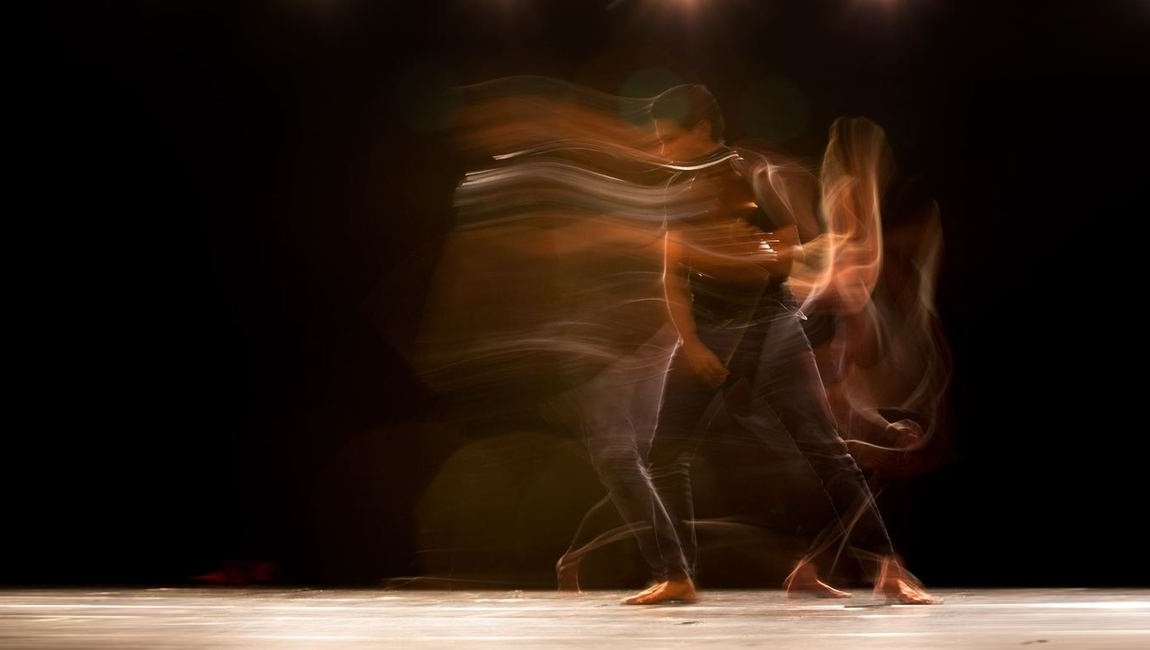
<point x="739" y="253"/>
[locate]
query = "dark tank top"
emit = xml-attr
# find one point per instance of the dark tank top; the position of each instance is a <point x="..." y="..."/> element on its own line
<point x="714" y="301"/>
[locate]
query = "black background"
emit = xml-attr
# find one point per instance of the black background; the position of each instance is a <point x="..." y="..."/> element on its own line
<point x="210" y="191"/>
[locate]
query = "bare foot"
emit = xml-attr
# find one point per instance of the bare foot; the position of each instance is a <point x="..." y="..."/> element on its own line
<point x="804" y="581"/>
<point x="896" y="585"/>
<point x="567" y="575"/>
<point x="671" y="591"/>
<point x="643" y="594"/>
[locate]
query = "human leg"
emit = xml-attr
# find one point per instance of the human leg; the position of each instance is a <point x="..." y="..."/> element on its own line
<point x="787" y="382"/>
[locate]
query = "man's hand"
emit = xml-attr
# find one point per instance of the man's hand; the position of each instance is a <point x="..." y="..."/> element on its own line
<point x="704" y="362"/>
<point x="748" y="239"/>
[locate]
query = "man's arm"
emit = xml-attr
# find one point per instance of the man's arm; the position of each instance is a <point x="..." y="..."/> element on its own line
<point x="701" y="358"/>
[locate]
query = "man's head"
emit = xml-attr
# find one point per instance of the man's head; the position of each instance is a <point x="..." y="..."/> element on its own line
<point x="688" y="122"/>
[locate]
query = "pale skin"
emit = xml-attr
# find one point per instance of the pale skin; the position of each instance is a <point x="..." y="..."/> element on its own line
<point x="733" y="250"/>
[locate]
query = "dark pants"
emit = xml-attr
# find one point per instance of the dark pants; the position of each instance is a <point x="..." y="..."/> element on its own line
<point x="614" y="414"/>
<point x="773" y="380"/>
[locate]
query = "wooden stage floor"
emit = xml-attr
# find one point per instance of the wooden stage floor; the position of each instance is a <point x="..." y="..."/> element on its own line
<point x="98" y="618"/>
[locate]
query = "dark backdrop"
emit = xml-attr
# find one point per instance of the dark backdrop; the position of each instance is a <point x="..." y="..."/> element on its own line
<point x="208" y="193"/>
